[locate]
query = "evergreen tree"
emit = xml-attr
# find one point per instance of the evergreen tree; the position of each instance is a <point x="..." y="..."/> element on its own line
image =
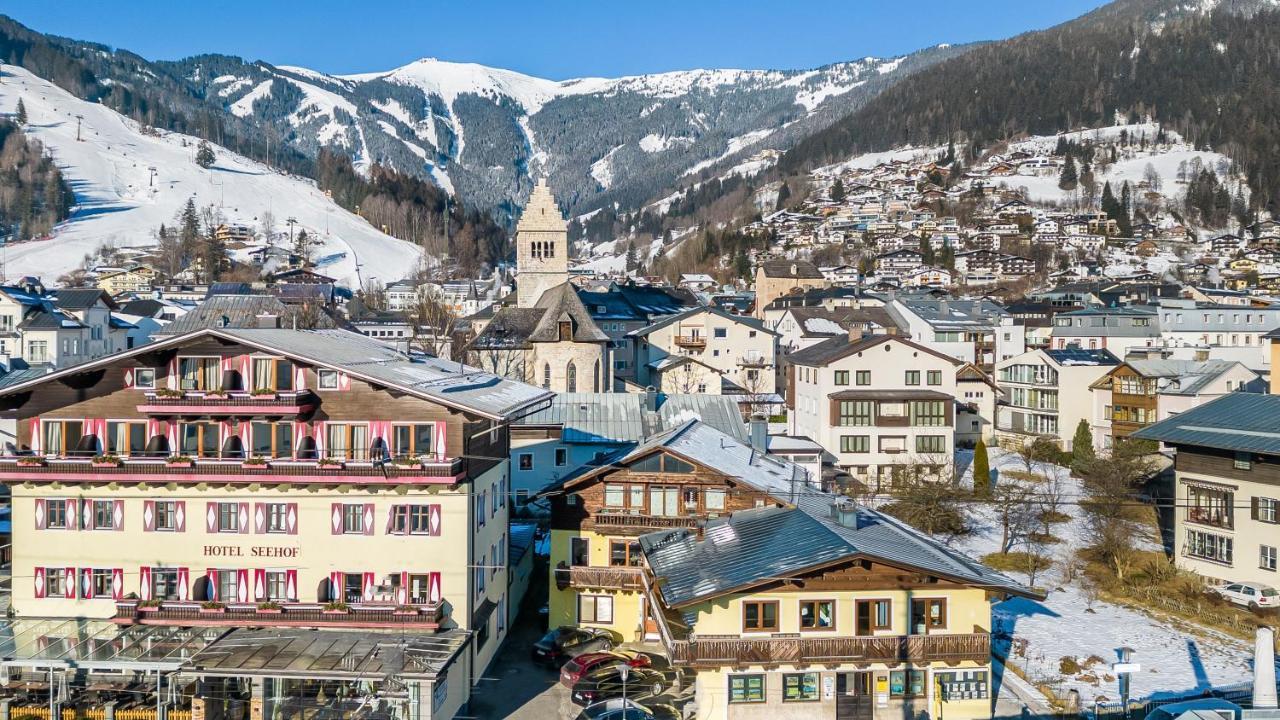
<point x="21" y="114"/>
<point x="632" y="261"/>
<point x="204" y="155"/>
<point x="981" y="470"/>
<point x="784" y="193"/>
<point x="189" y="229"/>
<point x="1082" y="446"/>
<point x="926" y="252"/>
<point x="837" y="191"/>
<point x="302" y="244"/>
<point x="1068" y="179"/>
<point x="948" y="258"/>
<point x="1125" y="221"/>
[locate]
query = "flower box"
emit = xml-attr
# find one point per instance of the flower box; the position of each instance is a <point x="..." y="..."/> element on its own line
<point x="179" y="462"/>
<point x="213" y="610"/>
<point x="31" y="462"/>
<point x="269" y="611"/>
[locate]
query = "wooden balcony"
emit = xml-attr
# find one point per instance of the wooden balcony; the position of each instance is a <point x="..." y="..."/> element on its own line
<point x="228" y="404"/>
<point x="692" y="341"/>
<point x="626" y="521"/>
<point x="446" y="471"/>
<point x="1219" y="517"/>
<point x="793" y="649"/>
<point x="289" y="614"/>
<point x="614" y="578"/>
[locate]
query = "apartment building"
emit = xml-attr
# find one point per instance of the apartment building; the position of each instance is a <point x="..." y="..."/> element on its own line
<point x="60" y="327"/>
<point x="1044" y="392"/>
<point x="880" y="404"/>
<point x="315" y="490"/>
<point x="705" y="346"/>
<point x="775" y="278"/>
<point x="1149" y="387"/>
<point x="1227" y="476"/>
<point x="1106" y="328"/>
<point x="689" y="541"/>
<point x="973" y="331"/>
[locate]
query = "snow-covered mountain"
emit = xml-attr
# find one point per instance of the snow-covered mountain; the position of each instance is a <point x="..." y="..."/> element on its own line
<point x="120" y="202"/>
<point x="485" y="132"/>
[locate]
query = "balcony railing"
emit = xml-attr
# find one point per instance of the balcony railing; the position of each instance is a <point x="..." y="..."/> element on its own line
<point x="616" y="578"/>
<point x="178" y="469"/>
<point x="200" y="403"/>
<point x="624" y="520"/>
<point x="691" y="340"/>
<point x="754" y="362"/>
<point x="295" y="614"/>
<point x="709" y="651"/>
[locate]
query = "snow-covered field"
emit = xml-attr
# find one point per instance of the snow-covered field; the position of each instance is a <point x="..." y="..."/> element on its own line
<point x="1174" y="657"/>
<point x="117" y="204"/>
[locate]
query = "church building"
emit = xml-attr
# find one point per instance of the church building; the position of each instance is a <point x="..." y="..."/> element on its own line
<point x="548" y="338"/>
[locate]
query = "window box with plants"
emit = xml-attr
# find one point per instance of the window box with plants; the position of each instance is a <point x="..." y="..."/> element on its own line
<point x="410" y="462"/>
<point x="263" y="394"/>
<point x="212" y="607"/>
<point x="148" y="605"/>
<point x="269" y="608"/>
<point x="179" y="461"/>
<point x="167" y="394"/>
<point x="217" y="395"/>
<point x="31" y="461"/>
<point x="336" y="608"/>
<point x="254" y="462"/>
<point x="406" y="610"/>
<point x="329" y="464"/>
<point x="107" y="461"/>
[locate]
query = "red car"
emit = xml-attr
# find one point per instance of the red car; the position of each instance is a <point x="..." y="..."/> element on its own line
<point x="585" y="663"/>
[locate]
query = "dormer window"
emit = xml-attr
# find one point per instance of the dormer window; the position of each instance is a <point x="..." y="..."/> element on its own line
<point x="566" y="330"/>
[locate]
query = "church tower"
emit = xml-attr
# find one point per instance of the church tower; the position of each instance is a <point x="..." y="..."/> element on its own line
<point x="542" y="247"/>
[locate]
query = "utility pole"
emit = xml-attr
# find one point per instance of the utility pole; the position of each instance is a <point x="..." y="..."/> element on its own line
<point x="78" y="119"/>
<point x="152" y="182"/>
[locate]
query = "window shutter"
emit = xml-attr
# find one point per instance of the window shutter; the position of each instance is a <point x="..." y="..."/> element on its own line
<point x="128" y="377"/>
<point x="39" y="578"/>
<point x="212" y="575"/>
<point x="41" y="518"/>
<point x="242" y="585"/>
<point x="148" y="515"/>
<point x="291" y="583"/>
<point x="86" y="582"/>
<point x="391" y="519"/>
<point x="403" y="596"/>
<point x="259" y="518"/>
<point x="69" y="583"/>
<point x="335" y="519"/>
<point x="180" y="515"/>
<point x="335" y="586"/>
<point x="433" y="585"/>
<point x="368" y="519"/>
<point x="1253" y="508"/>
<point x="259" y="584"/>
<point x="367" y="589"/>
<point x="86" y="513"/>
<point x="433" y="520"/>
<point x="211" y="516"/>
<point x="117" y="513"/>
<point x="144" y="583"/>
<point x="291" y="519"/>
<point x="184" y="583"/>
<point x="244" y="518"/>
<point x="117" y="583"/>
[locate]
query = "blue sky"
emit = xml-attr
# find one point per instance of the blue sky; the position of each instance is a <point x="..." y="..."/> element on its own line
<point x="549" y="38"/>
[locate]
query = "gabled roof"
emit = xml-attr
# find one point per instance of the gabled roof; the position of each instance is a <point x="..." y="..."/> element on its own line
<point x="447" y="383"/>
<point x="514" y="328"/>
<point x="82" y="298"/>
<point x="236" y="311"/>
<point x="802" y="269"/>
<point x="753" y="323"/>
<point x="1244" y="422"/>
<point x="1176" y="377"/>
<point x="617" y="418"/>
<point x="829" y="351"/>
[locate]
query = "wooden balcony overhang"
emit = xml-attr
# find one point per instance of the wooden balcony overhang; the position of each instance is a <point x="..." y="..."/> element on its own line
<point x="793" y="649"/>
<point x="228" y="471"/>
<point x="288" y="614"/>
<point x="613" y="578"/>
<point x="231" y="404"/>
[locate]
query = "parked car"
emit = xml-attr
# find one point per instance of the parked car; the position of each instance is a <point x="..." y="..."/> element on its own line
<point x="587" y="662"/>
<point x="619" y="709"/>
<point x="1254" y="596"/>
<point x="566" y="641"/>
<point x="606" y="682"/>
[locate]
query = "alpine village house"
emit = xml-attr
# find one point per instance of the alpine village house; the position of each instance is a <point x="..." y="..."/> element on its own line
<point x="778" y="600"/>
<point x="260" y="519"/>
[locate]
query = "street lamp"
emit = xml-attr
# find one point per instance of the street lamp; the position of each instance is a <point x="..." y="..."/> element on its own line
<point x="624" y="670"/>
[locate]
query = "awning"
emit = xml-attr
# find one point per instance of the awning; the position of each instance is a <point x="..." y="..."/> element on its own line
<point x="100" y="644"/>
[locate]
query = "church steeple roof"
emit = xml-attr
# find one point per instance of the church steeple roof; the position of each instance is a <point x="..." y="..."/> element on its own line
<point x="541" y="213"/>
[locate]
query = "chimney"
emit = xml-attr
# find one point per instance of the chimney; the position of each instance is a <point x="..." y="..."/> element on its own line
<point x="268" y="321"/>
<point x="845" y="512"/>
<point x="651" y="399"/>
<point x="1264" y="669"/>
<point x="759" y="432"/>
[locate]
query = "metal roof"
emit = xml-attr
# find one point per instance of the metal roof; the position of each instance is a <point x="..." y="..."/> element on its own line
<point x="1244" y="422"/>
<point x="100" y="644"/>
<point x="338" y="654"/>
<point x="750" y="322"/>
<point x="616" y="418"/>
<point x="1079" y="356"/>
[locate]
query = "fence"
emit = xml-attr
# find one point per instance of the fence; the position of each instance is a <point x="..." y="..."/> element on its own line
<point x="42" y="713"/>
<point x="1138" y="709"/>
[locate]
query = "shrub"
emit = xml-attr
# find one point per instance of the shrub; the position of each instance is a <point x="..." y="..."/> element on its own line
<point x="1068" y="665"/>
<point x="1017" y="561"/>
<point x="981" y="470"/>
